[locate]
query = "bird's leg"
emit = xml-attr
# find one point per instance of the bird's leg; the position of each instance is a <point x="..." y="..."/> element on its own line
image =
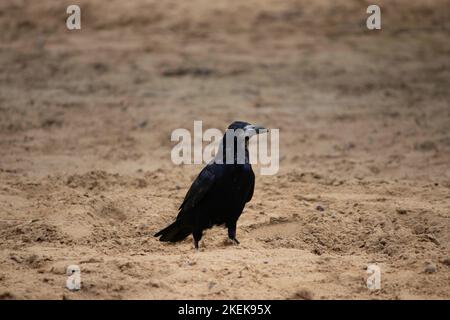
<point x="232" y="232"/>
<point x="197" y="237"/>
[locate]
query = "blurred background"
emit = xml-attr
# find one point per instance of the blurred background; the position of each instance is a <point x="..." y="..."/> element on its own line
<point x="364" y="118"/>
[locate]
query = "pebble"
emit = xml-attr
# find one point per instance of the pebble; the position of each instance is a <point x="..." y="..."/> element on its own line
<point x="430" y="268"/>
<point x="211" y="285"/>
<point x="446" y="261"/>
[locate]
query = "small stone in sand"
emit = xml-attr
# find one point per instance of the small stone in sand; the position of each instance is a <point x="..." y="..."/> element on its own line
<point x="446" y="261"/>
<point x="430" y="268"/>
<point x="320" y="208"/>
<point x="303" y="294"/>
<point x="211" y="284"/>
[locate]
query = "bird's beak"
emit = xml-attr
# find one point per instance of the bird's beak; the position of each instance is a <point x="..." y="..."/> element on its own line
<point x="252" y="130"/>
<point x="260" y="129"/>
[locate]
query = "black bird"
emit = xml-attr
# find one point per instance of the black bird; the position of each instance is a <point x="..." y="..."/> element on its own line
<point x="219" y="193"/>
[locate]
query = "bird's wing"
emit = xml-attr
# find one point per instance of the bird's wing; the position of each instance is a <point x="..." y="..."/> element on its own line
<point x="199" y="188"/>
<point x="252" y="186"/>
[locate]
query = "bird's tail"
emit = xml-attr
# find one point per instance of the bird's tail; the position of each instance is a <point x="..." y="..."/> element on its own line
<point x="175" y="232"/>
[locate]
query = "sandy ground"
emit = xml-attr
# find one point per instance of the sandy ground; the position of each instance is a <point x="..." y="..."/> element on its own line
<point x="85" y="170"/>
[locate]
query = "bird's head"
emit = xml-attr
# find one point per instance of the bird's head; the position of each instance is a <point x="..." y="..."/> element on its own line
<point x="247" y="129"/>
<point x="234" y="145"/>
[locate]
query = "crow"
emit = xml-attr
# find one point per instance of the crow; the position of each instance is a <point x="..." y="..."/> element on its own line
<point x="219" y="193"/>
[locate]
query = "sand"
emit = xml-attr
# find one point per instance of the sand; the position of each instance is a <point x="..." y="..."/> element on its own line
<point x="85" y="170"/>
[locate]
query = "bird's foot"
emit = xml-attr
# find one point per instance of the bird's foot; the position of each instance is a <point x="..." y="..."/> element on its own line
<point x="235" y="241"/>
